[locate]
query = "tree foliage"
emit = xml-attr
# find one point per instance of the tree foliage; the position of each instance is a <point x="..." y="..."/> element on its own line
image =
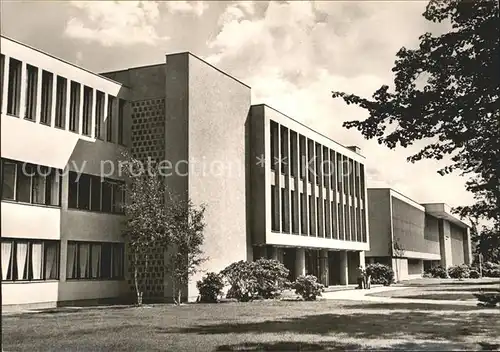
<point x="447" y="91"/>
<point x="186" y="225"/>
<point x="147" y="224"/>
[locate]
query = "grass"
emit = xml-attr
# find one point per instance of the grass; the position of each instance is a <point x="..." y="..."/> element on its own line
<point x="264" y="325"/>
<point x="443" y="289"/>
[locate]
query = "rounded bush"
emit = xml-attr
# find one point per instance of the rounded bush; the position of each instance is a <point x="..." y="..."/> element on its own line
<point x="491" y="269"/>
<point x="474" y="274"/>
<point x="308" y="287"/>
<point x="210" y="288"/>
<point x="438" y="272"/>
<point x="264" y="278"/>
<point x="459" y="271"/>
<point x="380" y="274"/>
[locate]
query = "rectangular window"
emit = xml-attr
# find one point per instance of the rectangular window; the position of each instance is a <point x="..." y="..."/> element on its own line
<point x="341" y="221"/>
<point x="311" y="217"/>
<point x="29" y="259"/>
<point x="303" y="214"/>
<point x="347" y="223"/>
<point x="310" y="161"/>
<point x="121" y="116"/>
<point x="95" y="260"/>
<point x="28" y="183"/>
<point x="109" y="119"/>
<point x="363" y="225"/>
<point x="318" y="163"/>
<point x="14" y="88"/>
<point x="74" y="107"/>
<point x="326" y="168"/>
<point x="339" y="173"/>
<point x="362" y="180"/>
<point x="87" y="110"/>
<point x="99" y="114"/>
<point x="293" y="153"/>
<point x="46" y="108"/>
<point x="84" y="192"/>
<point x="61" y="88"/>
<point x="31" y="90"/>
<point x="284" y="211"/>
<point x="284" y="151"/>
<point x="332" y="169"/>
<point x="303" y="157"/>
<point x="9" y="170"/>
<point x="95" y="193"/>
<point x="334" y="219"/>
<point x="2" y="73"/>
<point x="326" y="215"/>
<point x="87" y="192"/>
<point x="295" y="215"/>
<point x="274" y="144"/>
<point x="319" y="223"/>
<point x="274" y="209"/>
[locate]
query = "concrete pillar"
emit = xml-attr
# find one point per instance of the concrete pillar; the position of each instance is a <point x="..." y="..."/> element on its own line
<point x="467" y="247"/>
<point x="324" y="269"/>
<point x="344" y="268"/>
<point x="300" y="261"/>
<point x="362" y="259"/>
<point x="273" y="253"/>
<point x="445" y="243"/>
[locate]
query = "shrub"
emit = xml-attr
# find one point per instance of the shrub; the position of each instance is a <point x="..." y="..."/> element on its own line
<point x="474" y="274"/>
<point x="488" y="299"/>
<point x="264" y="278"/>
<point x="459" y="271"/>
<point x="308" y="287"/>
<point x="380" y="274"/>
<point x="271" y="278"/>
<point x="438" y="272"/>
<point x="491" y="269"/>
<point x="210" y="287"/>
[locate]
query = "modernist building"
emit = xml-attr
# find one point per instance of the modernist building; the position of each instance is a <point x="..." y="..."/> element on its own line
<point x="272" y="186"/>
<point x="413" y="237"/>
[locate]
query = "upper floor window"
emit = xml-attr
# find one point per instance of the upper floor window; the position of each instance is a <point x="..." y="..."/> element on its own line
<point x="46" y="108"/>
<point x="88" y="192"/>
<point x="109" y="119"/>
<point x="2" y="73"/>
<point x="87" y="110"/>
<point x="62" y="86"/>
<point x="121" y="115"/>
<point x="99" y="113"/>
<point x="29" y="259"/>
<point x="74" y="107"/>
<point x="30" y="183"/>
<point x="31" y="92"/>
<point x="14" y="88"/>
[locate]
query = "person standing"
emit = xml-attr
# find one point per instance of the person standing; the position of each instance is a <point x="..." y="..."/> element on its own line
<point x="361" y="277"/>
<point x="367" y="280"/>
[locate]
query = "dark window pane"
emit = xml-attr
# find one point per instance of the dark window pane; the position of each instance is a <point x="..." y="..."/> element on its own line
<point x="106" y="261"/>
<point x="73" y="190"/>
<point x="23" y="188"/>
<point x="117" y="261"/>
<point x="53" y="188"/>
<point x="8" y="179"/>
<point x="72" y="261"/>
<point x="95" y="196"/>
<point x="107" y="196"/>
<point x="51" y="260"/>
<point x="39" y="188"/>
<point x="84" y="192"/>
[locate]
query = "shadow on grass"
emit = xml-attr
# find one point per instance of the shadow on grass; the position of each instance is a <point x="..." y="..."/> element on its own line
<point x="364" y="325"/>
<point x="339" y="346"/>
<point x="448" y="282"/>
<point x="415" y="306"/>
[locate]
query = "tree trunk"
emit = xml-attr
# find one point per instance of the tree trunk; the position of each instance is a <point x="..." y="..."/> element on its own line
<point x="179" y="296"/>
<point x="136" y="281"/>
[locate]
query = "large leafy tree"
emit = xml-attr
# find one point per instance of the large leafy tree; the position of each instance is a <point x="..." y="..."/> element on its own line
<point x="446" y="92"/>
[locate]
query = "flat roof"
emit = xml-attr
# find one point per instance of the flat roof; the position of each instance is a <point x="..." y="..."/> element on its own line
<point x="62" y="60"/>
<point x="309" y="128"/>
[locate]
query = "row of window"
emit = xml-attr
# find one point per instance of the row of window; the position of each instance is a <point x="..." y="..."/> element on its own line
<point x="36" y="260"/>
<point x="325" y="166"/>
<point x="320" y="220"/>
<point x="37" y="184"/>
<point x="49" y="81"/>
<point x="31" y="183"/>
<point x="89" y="192"/>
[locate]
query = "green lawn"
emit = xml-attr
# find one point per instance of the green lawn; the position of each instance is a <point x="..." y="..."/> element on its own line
<point x="265" y="325"/>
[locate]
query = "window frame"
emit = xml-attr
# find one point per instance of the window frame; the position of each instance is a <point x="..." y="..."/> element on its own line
<point x="100" y="277"/>
<point x="12" y="270"/>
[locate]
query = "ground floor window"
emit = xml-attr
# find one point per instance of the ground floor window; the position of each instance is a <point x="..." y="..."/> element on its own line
<point x="95" y="260"/>
<point x="29" y="260"/>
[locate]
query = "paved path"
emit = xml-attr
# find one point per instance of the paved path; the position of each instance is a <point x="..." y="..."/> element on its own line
<point x="361" y="295"/>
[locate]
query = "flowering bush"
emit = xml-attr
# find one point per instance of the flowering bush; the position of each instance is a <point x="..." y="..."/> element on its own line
<point x="210" y="287"/>
<point x="380" y="274"/>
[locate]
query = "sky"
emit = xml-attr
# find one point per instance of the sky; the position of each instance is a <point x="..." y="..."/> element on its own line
<point x="292" y="54"/>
